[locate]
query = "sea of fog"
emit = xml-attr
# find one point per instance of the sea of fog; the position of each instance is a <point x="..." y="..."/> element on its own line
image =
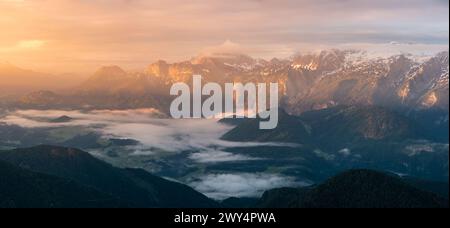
<point x="167" y="136"/>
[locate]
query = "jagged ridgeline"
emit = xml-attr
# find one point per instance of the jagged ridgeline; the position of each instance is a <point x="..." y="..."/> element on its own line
<point x="306" y="82"/>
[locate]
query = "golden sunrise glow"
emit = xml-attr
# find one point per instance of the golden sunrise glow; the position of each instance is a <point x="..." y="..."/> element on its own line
<point x="30" y="44"/>
<point x="79" y="36"/>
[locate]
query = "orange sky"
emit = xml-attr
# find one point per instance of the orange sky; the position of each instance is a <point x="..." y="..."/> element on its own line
<point x="80" y="35"/>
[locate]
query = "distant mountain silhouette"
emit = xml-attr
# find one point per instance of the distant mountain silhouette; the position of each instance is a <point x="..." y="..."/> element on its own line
<point x="17" y="81"/>
<point x="61" y="119"/>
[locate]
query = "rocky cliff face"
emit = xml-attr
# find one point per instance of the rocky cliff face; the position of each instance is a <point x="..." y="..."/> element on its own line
<point x="306" y="81"/>
<point x="351" y="78"/>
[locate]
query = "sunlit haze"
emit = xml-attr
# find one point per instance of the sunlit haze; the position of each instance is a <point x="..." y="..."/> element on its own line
<point x="70" y="36"/>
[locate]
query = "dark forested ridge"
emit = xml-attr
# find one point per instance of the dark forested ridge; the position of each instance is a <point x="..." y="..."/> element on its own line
<point x="56" y="177"/>
<point x="361" y="137"/>
<point x="135" y="187"/>
<point x="20" y="188"/>
<point x="354" y="189"/>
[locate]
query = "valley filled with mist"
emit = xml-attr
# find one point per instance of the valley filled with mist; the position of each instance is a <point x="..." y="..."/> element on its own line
<point x="340" y="110"/>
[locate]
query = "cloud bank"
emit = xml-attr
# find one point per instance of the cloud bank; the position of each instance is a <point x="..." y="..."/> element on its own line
<point x="214" y="156"/>
<point x="199" y="139"/>
<point x="154" y="134"/>
<point x="223" y="186"/>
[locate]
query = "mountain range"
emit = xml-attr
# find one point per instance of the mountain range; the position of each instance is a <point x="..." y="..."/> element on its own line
<point x="340" y="110"/>
<point x="349" y="78"/>
<point x="307" y="81"/>
<point x="16" y="81"/>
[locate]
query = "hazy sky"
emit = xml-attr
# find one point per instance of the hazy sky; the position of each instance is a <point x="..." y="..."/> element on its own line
<point x="80" y="35"/>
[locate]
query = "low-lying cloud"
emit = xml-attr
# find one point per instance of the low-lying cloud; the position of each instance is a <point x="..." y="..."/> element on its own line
<point x="223" y="186"/>
<point x="169" y="135"/>
<point x="214" y="156"/>
<point x="199" y="139"/>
